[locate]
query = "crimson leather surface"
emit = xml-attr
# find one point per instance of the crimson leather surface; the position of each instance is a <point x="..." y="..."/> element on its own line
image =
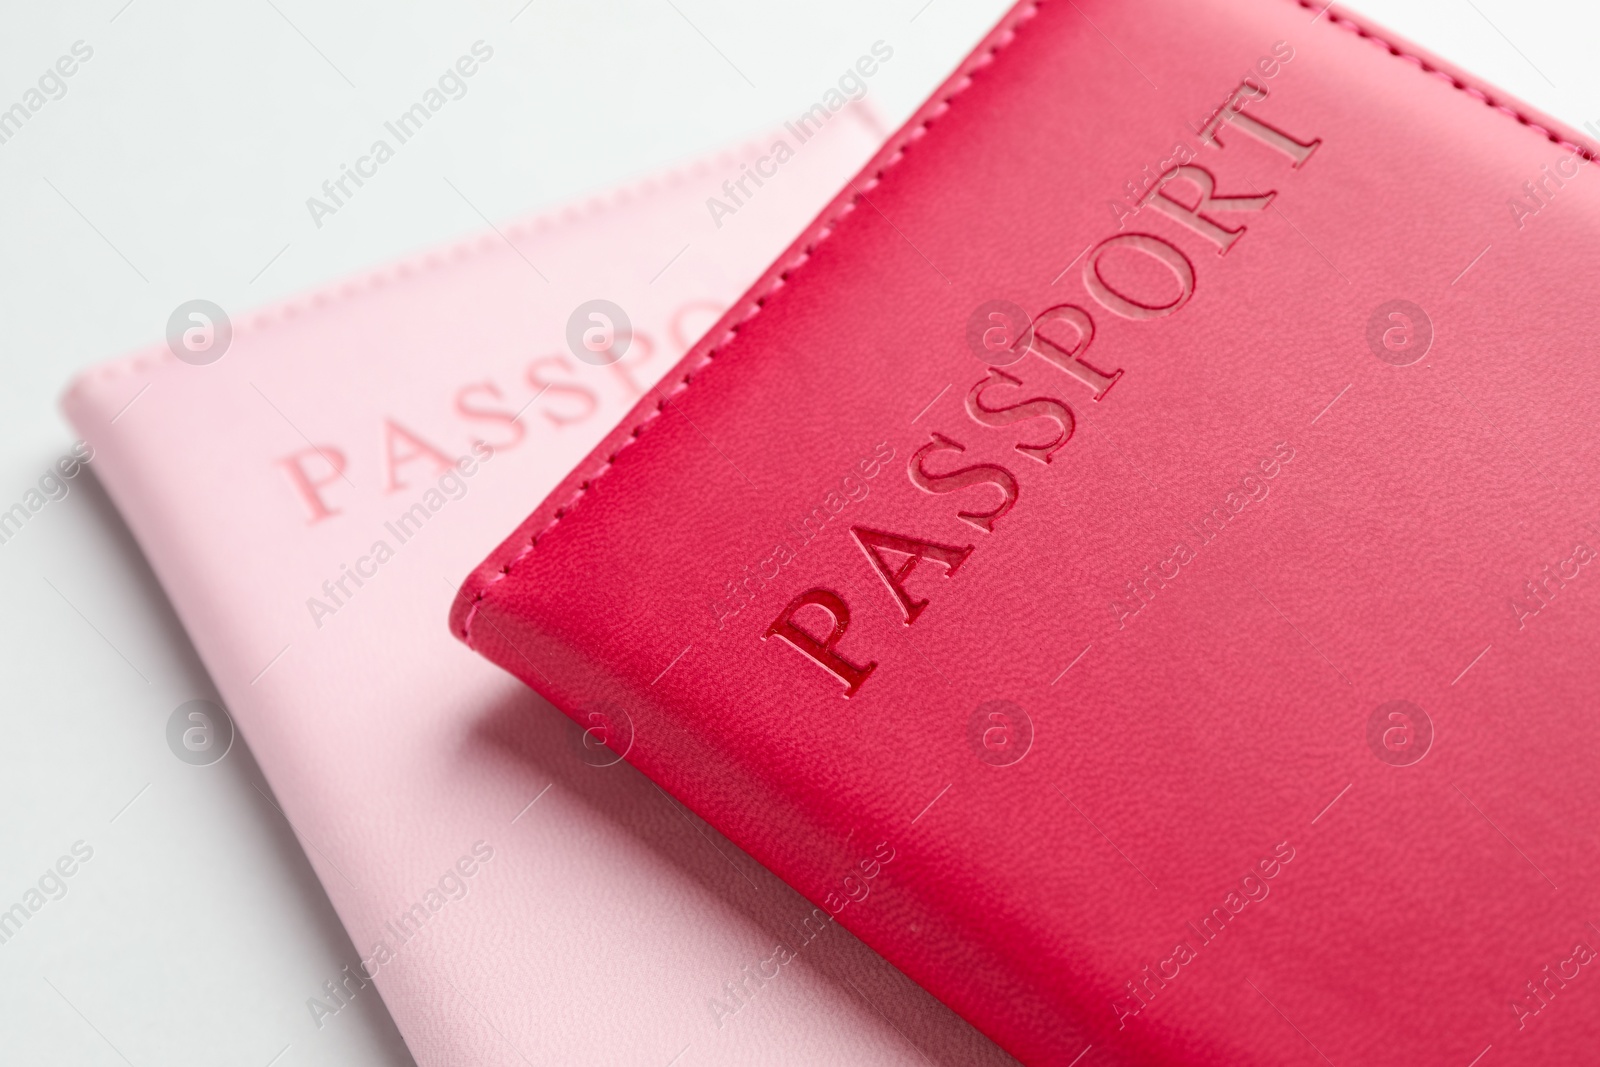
<point x="1225" y="722"/>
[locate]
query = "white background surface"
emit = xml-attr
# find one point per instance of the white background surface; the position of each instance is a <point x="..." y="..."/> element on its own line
<point x="177" y="166"/>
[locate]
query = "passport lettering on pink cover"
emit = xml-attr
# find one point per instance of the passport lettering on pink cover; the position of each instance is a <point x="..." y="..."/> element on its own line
<point x="1132" y="559"/>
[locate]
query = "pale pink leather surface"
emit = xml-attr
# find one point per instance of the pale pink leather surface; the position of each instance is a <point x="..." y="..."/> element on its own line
<point x="608" y="921"/>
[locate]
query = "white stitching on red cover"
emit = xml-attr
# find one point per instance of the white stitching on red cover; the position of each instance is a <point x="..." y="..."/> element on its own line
<point x="982" y="60"/>
<point x="1343" y="21"/>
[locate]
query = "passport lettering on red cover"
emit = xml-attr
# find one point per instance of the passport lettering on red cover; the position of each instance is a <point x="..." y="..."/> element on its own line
<point x="1131" y="559"/>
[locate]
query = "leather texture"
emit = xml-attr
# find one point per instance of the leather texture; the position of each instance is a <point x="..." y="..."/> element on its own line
<point x="1307" y="536"/>
<point x="608" y="923"/>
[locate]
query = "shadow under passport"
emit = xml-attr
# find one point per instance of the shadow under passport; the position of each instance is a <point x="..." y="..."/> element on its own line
<point x="527" y="728"/>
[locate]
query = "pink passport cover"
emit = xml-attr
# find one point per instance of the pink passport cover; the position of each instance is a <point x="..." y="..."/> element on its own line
<point x="1236" y="711"/>
<point x="606" y="925"/>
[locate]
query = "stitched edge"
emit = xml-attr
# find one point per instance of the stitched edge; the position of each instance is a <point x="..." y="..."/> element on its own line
<point x="1342" y="21"/>
<point x="1345" y="22"/>
<point x="938" y="110"/>
<point x="443" y="255"/>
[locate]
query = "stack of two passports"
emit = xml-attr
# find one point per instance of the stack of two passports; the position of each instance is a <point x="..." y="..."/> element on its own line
<point x="1127" y="561"/>
<point x="310" y="501"/>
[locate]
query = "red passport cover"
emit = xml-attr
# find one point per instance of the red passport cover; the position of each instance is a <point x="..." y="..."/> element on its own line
<point x="1130" y="559"/>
